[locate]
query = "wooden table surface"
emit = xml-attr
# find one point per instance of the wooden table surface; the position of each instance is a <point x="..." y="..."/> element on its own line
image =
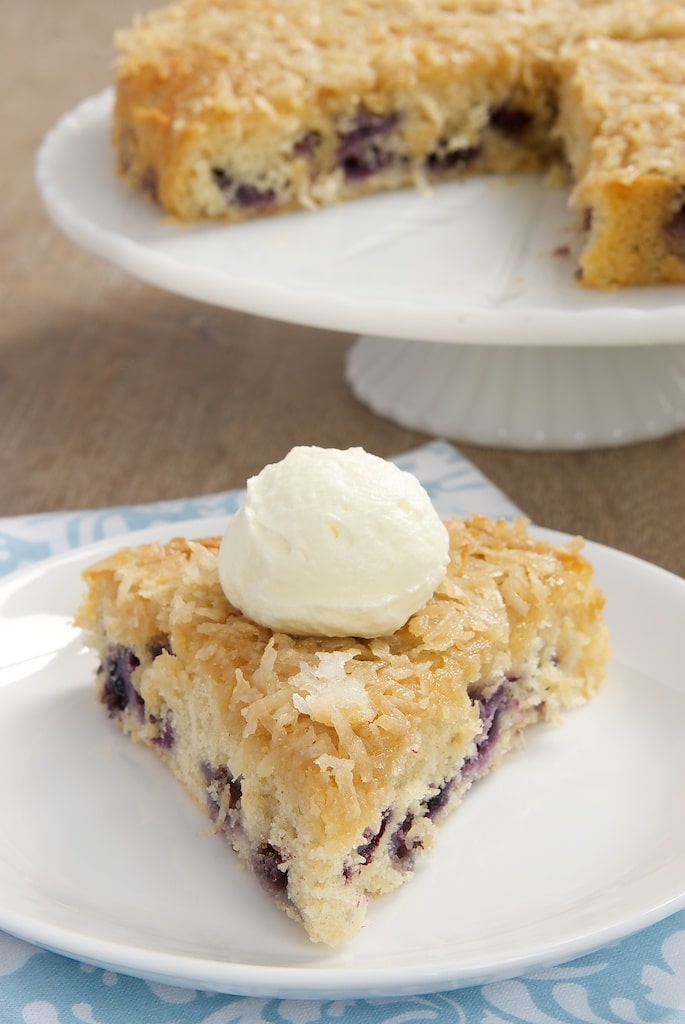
<point x="115" y="392"/>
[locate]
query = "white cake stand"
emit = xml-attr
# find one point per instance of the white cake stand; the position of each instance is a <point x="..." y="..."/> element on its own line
<point x="471" y="324"/>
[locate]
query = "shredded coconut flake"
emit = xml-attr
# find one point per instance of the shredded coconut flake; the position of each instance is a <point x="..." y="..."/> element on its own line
<point x="329" y="690"/>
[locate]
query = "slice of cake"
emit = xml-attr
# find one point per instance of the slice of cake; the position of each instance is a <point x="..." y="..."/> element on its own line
<point x="622" y="108"/>
<point x="329" y="762"/>
<point x="235" y="109"/>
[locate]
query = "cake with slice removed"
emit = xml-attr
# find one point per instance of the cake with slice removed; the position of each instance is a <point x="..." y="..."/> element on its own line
<point x="232" y="110"/>
<point x="329" y="762"/>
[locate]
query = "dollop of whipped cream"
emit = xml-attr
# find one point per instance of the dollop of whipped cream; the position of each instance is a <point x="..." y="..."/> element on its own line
<point x="333" y="542"/>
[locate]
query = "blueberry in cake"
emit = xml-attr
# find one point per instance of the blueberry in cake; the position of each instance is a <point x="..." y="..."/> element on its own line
<point x="329" y="762"/>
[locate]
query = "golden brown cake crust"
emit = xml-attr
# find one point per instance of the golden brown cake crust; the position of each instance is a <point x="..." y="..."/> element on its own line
<point x="332" y="744"/>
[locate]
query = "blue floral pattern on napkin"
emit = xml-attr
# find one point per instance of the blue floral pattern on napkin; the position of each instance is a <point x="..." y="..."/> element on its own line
<point x="640" y="980"/>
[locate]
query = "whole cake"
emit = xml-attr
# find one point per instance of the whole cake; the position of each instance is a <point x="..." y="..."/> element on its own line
<point x="237" y="108"/>
<point x="329" y="761"/>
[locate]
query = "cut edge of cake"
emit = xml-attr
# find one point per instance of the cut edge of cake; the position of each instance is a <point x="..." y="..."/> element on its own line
<point x="622" y="104"/>
<point x="221" y="115"/>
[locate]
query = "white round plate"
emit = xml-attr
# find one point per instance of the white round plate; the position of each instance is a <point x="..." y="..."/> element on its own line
<point x="577" y="840"/>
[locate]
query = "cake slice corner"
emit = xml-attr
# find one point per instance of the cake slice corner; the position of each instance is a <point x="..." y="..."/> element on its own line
<point x="622" y="104"/>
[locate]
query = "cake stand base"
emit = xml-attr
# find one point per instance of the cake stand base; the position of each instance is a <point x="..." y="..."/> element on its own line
<point x="525" y="397"/>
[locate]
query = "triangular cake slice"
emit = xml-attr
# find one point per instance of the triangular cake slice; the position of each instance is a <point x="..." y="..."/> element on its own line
<point x="329" y="763"/>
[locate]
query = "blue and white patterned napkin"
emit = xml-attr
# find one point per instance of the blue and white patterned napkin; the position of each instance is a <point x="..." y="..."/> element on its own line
<point x="639" y="980"/>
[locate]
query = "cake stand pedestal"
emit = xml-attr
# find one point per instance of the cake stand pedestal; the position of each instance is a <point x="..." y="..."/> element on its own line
<point x="526" y="397"/>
